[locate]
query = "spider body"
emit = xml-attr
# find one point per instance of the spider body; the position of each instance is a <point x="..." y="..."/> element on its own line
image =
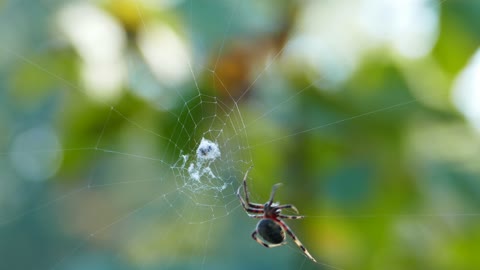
<point x="271" y="228"/>
<point x="271" y="231"/>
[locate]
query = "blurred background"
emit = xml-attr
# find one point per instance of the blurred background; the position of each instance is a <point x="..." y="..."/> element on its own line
<point x="367" y="111"/>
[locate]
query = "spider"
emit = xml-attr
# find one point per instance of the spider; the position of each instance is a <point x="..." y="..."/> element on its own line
<point x="271" y="227"/>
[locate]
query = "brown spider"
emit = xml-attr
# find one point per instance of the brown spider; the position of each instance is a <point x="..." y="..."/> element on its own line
<point x="271" y="227"/>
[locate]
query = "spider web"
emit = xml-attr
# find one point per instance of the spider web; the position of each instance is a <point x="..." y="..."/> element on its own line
<point x="185" y="172"/>
<point x="157" y="187"/>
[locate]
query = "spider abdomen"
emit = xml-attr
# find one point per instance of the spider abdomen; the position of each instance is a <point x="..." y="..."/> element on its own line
<point x="271" y="231"/>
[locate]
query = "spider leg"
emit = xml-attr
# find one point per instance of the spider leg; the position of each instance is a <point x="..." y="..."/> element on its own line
<point x="247" y="205"/>
<point x="290" y="217"/>
<point x="250" y="207"/>
<point x="256" y="216"/>
<point x="274" y="189"/>
<point x="295" y="239"/>
<point x="263" y="243"/>
<point x="254" y="211"/>
<point x="287" y="206"/>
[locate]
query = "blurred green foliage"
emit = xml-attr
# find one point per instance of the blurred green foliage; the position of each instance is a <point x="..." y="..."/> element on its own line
<point x="382" y="164"/>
